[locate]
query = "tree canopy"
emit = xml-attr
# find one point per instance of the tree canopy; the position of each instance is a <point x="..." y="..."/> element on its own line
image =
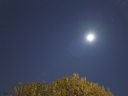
<point x="66" y="86"/>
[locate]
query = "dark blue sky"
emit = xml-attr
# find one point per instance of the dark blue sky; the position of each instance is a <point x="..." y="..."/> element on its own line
<point x="45" y="40"/>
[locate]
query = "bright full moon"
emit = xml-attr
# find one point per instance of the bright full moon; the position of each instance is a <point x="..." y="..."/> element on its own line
<point x="90" y="37"/>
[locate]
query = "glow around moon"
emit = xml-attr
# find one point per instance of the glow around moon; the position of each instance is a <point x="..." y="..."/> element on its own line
<point x="90" y="37"/>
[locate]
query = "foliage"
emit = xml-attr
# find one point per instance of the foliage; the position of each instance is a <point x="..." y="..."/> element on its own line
<point x="66" y="86"/>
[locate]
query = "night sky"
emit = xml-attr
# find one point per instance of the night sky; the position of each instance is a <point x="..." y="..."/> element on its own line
<point x="44" y="40"/>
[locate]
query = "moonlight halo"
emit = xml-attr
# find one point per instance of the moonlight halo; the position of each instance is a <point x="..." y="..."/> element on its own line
<point x="90" y="37"/>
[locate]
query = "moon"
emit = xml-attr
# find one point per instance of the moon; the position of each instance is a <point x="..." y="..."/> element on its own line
<point x="90" y="37"/>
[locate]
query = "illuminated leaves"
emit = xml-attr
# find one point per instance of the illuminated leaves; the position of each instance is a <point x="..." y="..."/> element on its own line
<point x="66" y="86"/>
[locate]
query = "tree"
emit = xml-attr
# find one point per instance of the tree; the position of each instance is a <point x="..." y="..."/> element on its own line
<point x="5" y="93"/>
<point x="66" y="86"/>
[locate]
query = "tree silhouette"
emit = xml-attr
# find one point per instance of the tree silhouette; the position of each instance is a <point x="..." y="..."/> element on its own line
<point x="66" y="86"/>
<point x="5" y="93"/>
